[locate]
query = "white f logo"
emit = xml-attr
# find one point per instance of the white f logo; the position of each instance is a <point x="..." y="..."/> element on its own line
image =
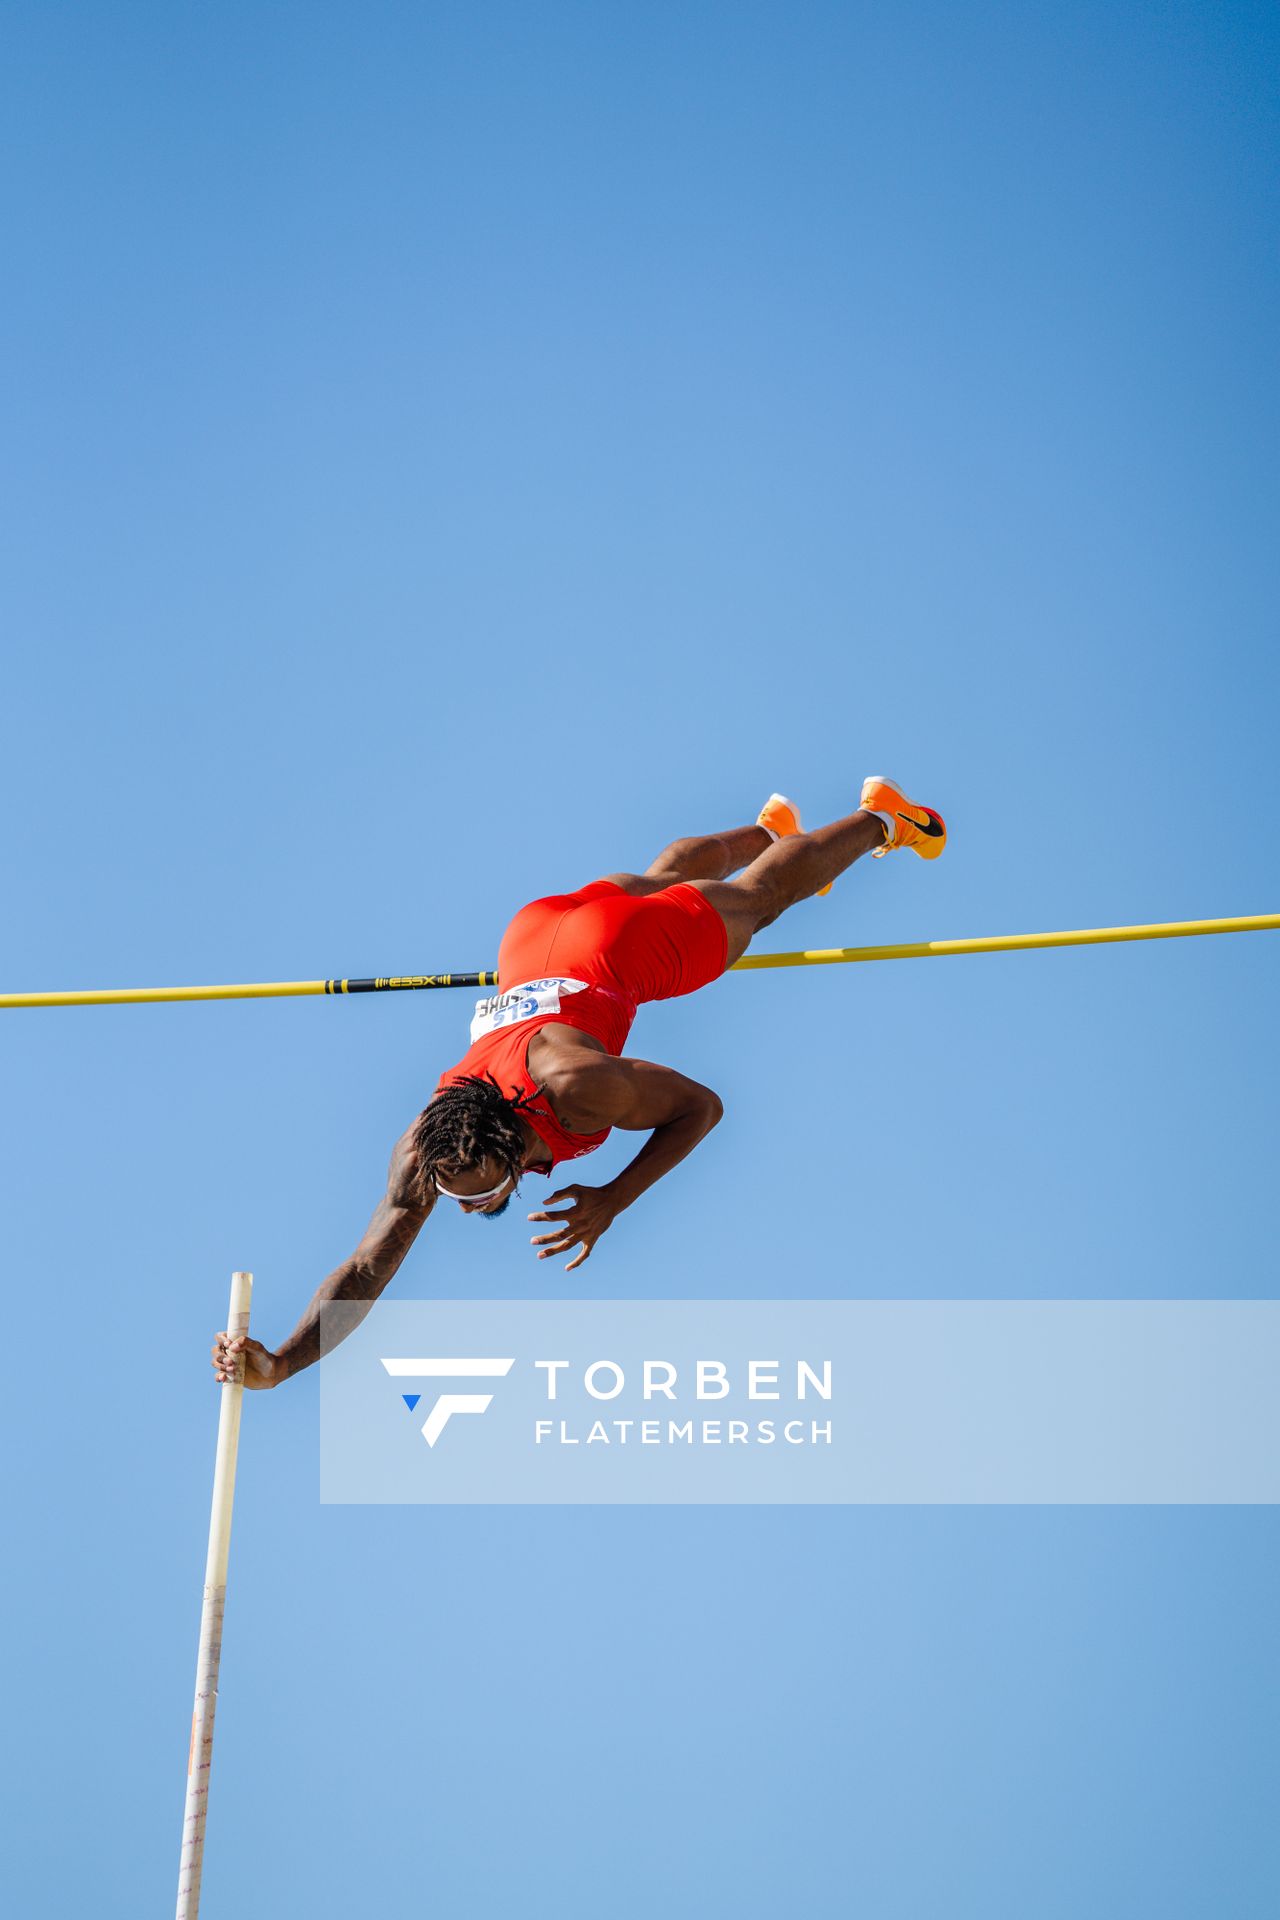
<point x="447" y="1404"/>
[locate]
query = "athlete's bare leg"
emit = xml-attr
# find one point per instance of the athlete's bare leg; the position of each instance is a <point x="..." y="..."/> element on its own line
<point x="709" y="856"/>
<point x="787" y="871"/>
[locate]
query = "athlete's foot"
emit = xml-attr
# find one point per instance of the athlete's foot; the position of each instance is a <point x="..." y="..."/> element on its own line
<point x="906" y="822"/>
<point x="780" y="817"/>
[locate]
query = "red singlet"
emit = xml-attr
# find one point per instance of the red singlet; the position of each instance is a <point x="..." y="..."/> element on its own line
<point x="588" y="960"/>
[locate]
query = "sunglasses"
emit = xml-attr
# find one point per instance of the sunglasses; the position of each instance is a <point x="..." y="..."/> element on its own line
<point x="475" y="1199"/>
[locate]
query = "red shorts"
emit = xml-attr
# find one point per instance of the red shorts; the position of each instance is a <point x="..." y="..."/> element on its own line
<point x="646" y="948"/>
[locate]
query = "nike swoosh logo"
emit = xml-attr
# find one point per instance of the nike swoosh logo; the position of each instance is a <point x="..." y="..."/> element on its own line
<point x="934" y="828"/>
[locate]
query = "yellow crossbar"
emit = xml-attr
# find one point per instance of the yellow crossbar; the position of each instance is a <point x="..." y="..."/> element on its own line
<point x="1015" y="942"/>
<point x="811" y="957"/>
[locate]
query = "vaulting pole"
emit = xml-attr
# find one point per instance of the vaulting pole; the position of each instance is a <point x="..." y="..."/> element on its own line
<point x="811" y="957"/>
<point x="200" y="1755"/>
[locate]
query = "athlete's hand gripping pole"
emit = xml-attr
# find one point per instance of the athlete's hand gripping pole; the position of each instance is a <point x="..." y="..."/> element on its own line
<point x="200" y="1756"/>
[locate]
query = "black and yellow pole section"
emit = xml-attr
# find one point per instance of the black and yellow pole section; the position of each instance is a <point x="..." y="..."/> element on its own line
<point x="751" y="962"/>
<point x="410" y="982"/>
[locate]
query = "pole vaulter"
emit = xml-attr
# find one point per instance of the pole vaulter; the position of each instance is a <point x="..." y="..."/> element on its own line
<point x="545" y="1080"/>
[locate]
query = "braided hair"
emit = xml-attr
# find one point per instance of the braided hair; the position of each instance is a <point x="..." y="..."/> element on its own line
<point x="468" y="1122"/>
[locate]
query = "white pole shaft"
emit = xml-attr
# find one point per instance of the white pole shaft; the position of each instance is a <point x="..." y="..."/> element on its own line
<point x="200" y="1755"/>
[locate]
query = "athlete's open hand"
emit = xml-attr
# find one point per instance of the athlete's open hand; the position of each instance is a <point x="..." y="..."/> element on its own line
<point x="592" y="1211"/>
<point x="261" y="1367"/>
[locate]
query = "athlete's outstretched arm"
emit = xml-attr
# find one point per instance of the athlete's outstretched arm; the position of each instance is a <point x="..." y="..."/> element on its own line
<point x="375" y="1262"/>
<point x="633" y="1094"/>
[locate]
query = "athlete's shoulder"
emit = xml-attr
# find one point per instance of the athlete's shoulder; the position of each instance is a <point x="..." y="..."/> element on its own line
<point x="560" y="1053"/>
<point x="577" y="1080"/>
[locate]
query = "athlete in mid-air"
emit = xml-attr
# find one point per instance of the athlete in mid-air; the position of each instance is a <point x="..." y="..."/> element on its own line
<point x="545" y="1078"/>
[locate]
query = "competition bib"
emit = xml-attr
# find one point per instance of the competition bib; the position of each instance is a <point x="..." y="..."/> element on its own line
<point x="524" y="1002"/>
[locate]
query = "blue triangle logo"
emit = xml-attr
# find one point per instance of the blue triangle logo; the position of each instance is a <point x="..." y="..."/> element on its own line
<point x="411" y="1400"/>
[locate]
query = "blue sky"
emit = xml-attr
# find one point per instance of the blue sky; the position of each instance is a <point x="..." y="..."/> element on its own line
<point x="449" y="454"/>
